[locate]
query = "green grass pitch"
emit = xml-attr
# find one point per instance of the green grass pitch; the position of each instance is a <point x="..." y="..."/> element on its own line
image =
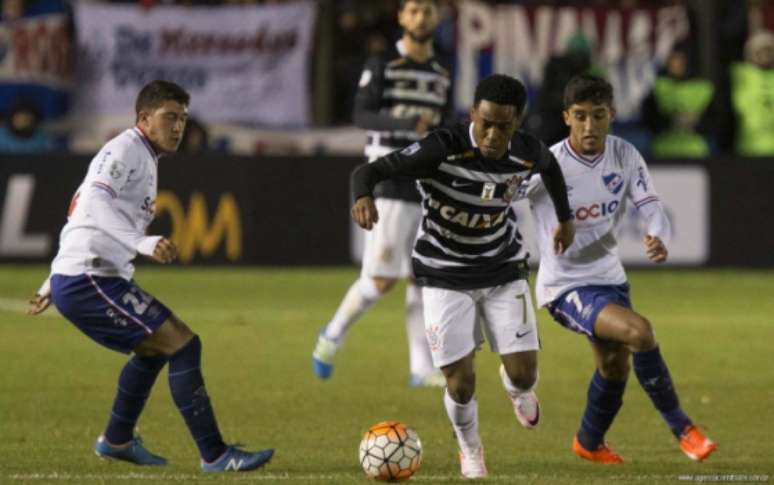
<point x="258" y="327"/>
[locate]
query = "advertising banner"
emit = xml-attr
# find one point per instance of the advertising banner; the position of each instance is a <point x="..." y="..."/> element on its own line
<point x="241" y="64"/>
<point x="627" y="44"/>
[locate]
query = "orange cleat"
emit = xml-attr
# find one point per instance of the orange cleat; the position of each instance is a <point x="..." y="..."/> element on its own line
<point x="695" y="443"/>
<point x="602" y="454"/>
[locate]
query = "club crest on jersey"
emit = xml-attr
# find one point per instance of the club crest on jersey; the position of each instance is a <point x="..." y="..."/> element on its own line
<point x="613" y="182"/>
<point x="487" y="193"/>
<point x="117" y="169"/>
<point x="512" y="187"/>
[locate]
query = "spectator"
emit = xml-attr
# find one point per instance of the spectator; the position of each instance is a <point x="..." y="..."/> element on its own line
<point x="676" y="110"/>
<point x="195" y="138"/>
<point x="548" y="122"/>
<point x="22" y="132"/>
<point x="752" y="94"/>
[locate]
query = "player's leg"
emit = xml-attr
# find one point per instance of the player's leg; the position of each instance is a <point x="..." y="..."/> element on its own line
<point x="510" y="324"/>
<point x="620" y="323"/>
<point x="184" y="350"/>
<point x="381" y="269"/>
<point x="604" y="400"/>
<point x="117" y="314"/>
<point x="578" y="310"/>
<point x="450" y="324"/>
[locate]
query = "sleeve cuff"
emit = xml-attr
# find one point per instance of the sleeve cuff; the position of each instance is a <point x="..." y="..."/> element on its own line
<point x="148" y="245"/>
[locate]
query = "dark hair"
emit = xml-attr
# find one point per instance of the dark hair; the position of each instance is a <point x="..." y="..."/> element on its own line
<point x="153" y="94"/>
<point x="587" y="87"/>
<point x="404" y="2"/>
<point x="501" y="89"/>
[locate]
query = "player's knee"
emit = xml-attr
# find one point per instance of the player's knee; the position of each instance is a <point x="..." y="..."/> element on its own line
<point x="639" y="335"/>
<point x="460" y="391"/>
<point x="615" y="368"/>
<point x="383" y="285"/>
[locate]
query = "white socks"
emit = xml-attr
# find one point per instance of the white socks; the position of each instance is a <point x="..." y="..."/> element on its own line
<point x="464" y="420"/>
<point x="512" y="390"/>
<point x="361" y="295"/>
<point x="420" y="359"/>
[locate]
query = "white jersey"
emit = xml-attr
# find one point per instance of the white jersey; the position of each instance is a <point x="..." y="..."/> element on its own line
<point x="111" y="210"/>
<point x="599" y="190"/>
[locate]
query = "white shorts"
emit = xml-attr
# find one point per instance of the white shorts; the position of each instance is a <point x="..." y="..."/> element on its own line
<point x="389" y="244"/>
<point x="456" y="321"/>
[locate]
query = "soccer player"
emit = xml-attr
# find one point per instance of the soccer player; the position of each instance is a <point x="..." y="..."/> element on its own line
<point x="401" y="96"/>
<point x="468" y="256"/>
<point x="585" y="289"/>
<point x="91" y="284"/>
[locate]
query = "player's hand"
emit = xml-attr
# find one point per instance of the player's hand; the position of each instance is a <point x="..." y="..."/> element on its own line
<point x="564" y="235"/>
<point x="364" y="213"/>
<point x="655" y="249"/>
<point x="39" y="303"/>
<point x="165" y="251"/>
<point x="424" y="123"/>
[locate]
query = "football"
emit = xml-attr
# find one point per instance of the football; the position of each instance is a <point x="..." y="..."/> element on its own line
<point x="390" y="451"/>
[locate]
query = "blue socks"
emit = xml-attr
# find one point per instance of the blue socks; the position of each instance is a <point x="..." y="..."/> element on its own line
<point x="134" y="387"/>
<point x="190" y="396"/>
<point x="652" y="372"/>
<point x="605" y="398"/>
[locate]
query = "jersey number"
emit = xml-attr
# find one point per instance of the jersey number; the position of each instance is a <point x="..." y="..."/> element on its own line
<point x="574" y="298"/>
<point x="139" y="305"/>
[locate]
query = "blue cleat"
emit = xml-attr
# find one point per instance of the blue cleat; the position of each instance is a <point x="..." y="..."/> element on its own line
<point x="322" y="357"/>
<point x="236" y="460"/>
<point x="133" y="452"/>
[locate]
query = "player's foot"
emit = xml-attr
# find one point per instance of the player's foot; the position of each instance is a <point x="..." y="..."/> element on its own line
<point x="236" y="460"/>
<point x="603" y="454"/>
<point x="434" y="378"/>
<point x="472" y="464"/>
<point x="133" y="452"/>
<point x="526" y="406"/>
<point x="322" y="357"/>
<point x="696" y="444"/>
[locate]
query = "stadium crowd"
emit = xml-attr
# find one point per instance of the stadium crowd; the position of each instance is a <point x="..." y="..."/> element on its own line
<point x="694" y="109"/>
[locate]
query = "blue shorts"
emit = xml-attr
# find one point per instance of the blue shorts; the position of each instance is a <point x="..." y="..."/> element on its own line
<point x="578" y="308"/>
<point x="113" y="312"/>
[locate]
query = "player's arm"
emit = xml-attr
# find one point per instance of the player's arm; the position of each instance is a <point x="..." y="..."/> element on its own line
<point x="553" y="180"/>
<point x="368" y="100"/>
<point x="415" y="161"/>
<point x="643" y="195"/>
<point x="104" y="190"/>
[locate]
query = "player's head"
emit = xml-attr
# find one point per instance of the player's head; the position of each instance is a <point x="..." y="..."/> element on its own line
<point x="588" y="111"/>
<point x="497" y="111"/>
<point x="419" y="18"/>
<point x="162" y="111"/>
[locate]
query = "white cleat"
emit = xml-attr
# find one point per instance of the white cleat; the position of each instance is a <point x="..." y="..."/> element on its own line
<point x="526" y="406"/>
<point x="322" y="357"/>
<point x="472" y="464"/>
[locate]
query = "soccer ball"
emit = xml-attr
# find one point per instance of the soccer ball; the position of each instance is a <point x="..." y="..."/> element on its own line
<point x="390" y="451"/>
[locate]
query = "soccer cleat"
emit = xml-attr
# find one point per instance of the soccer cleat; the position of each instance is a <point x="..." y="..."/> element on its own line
<point x="434" y="378"/>
<point x="526" y="406"/>
<point x="472" y="464"/>
<point x="695" y="443"/>
<point x="322" y="357"/>
<point x="133" y="452"/>
<point x="603" y="454"/>
<point x="236" y="460"/>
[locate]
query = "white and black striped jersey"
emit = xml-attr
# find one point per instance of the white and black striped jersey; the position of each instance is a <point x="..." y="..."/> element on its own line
<point x="394" y="91"/>
<point x="469" y="235"/>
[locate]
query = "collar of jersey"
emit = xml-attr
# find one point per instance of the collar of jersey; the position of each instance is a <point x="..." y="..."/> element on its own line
<point x="147" y="143"/>
<point x="589" y="162"/>
<point x="403" y="52"/>
<point x="475" y="145"/>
